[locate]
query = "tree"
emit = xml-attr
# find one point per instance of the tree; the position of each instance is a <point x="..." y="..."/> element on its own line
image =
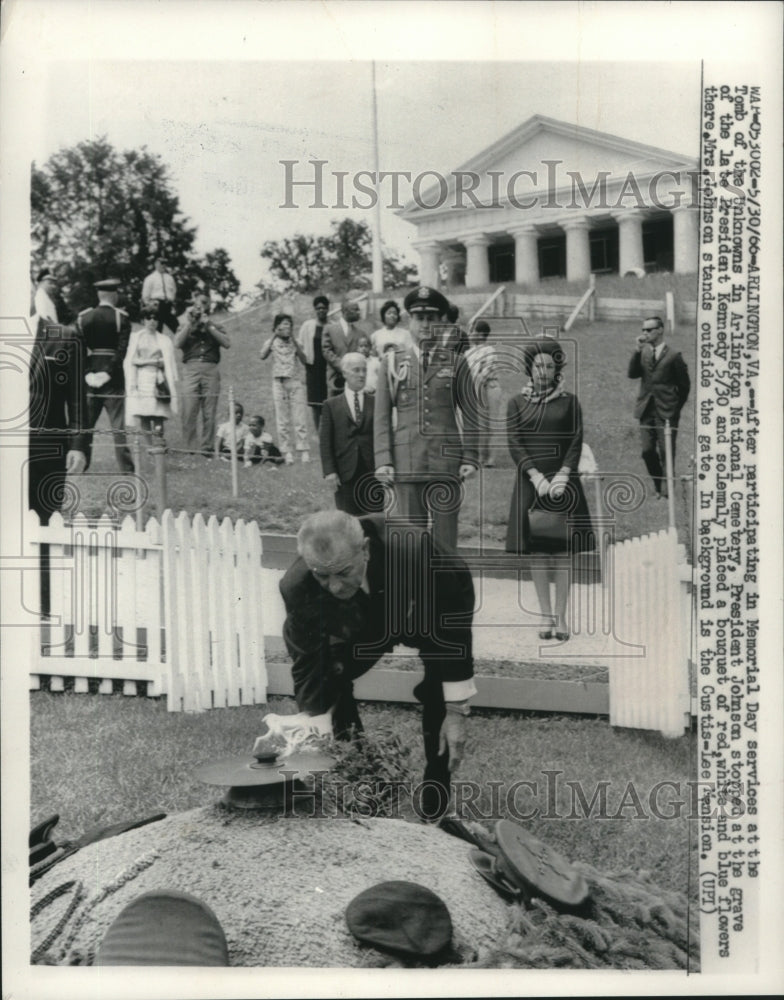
<point x="350" y="249"/>
<point x="215" y="273"/>
<point x="298" y="262"/>
<point x="340" y="261"/>
<point x="97" y="212"/>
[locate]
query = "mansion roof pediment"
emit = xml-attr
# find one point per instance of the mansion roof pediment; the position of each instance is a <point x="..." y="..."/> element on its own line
<point x="550" y="151"/>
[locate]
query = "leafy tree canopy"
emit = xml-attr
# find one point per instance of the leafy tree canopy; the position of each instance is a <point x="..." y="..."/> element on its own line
<point x="97" y="212"/>
<point x="340" y="261"/>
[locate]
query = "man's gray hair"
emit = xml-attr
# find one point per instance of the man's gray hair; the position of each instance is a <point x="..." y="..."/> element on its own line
<point x="323" y="533"/>
<point x="351" y="358"/>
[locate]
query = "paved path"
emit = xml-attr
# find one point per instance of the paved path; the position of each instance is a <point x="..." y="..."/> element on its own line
<point x="507" y="622"/>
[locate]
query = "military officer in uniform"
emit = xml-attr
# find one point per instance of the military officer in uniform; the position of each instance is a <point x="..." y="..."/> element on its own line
<point x="106" y="331"/>
<point x="417" y="440"/>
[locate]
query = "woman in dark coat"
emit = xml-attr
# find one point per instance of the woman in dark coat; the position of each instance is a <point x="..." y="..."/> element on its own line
<point x="545" y="434"/>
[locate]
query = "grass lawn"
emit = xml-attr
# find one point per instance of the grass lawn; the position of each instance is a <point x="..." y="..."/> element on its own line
<point x="97" y="760"/>
<point x="277" y="500"/>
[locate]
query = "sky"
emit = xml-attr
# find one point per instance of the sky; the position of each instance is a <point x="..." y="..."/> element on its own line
<point x="224" y="92"/>
<point x="223" y="127"/>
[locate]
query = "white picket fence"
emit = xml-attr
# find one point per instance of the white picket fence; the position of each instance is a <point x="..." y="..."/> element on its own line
<point x="180" y="606"/>
<point x="652" y="611"/>
<point x="177" y="606"/>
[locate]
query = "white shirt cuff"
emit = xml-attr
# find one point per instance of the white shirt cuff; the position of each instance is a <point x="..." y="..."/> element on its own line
<point x="459" y="690"/>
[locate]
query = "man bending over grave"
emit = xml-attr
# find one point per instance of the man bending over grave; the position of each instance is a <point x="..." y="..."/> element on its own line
<point x="361" y="586"/>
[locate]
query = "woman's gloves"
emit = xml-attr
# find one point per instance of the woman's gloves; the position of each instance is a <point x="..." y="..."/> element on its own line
<point x="559" y="483"/>
<point x="541" y="483"/>
<point x="545" y="487"/>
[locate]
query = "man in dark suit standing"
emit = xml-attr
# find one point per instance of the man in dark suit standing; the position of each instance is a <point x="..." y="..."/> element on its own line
<point x="346" y="442"/>
<point x="664" y="388"/>
<point x="57" y="408"/>
<point x="358" y="588"/>
<point x="106" y="331"/>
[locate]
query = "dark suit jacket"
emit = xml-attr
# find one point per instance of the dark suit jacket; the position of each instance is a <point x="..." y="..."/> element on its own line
<point x="345" y="447"/>
<point x="416" y="596"/>
<point x="666" y="382"/>
<point x="57" y="411"/>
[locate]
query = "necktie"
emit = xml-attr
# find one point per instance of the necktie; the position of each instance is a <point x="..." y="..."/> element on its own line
<point x="357" y="409"/>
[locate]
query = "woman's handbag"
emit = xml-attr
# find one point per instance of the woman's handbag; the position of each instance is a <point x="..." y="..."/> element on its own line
<point x="548" y="528"/>
<point x="162" y="390"/>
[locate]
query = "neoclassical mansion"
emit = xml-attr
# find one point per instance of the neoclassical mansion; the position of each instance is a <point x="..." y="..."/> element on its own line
<point x="557" y="200"/>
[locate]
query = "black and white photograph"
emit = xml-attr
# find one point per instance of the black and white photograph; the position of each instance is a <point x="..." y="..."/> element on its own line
<point x="391" y="498"/>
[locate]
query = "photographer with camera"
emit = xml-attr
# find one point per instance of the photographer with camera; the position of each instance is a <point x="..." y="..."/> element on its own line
<point x="200" y="340"/>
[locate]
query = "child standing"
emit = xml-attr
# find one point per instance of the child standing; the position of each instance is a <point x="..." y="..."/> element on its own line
<point x="373" y="363"/>
<point x="288" y="392"/>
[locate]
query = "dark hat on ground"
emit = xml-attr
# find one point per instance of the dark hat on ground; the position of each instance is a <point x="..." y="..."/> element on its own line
<point x="107" y="284"/>
<point x="424" y="299"/>
<point x="401" y="917"/>
<point x="320" y="300"/>
<point x="164" y="927"/>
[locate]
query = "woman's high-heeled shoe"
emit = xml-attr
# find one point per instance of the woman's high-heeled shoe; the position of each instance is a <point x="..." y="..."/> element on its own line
<point x="546" y="633"/>
<point x="562" y="636"/>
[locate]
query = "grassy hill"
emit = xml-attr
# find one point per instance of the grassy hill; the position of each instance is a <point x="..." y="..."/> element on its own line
<point x="277" y="500"/>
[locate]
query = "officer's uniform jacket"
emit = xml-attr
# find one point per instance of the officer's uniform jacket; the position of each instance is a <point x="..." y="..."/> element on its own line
<point x="106" y="331"/>
<point x="416" y="427"/>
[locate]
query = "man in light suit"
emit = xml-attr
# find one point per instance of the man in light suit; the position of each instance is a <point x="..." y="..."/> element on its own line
<point x="421" y="449"/>
<point x="664" y="388"/>
<point x="346" y="440"/>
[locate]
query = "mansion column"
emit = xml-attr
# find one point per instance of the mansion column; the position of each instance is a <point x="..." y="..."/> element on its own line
<point x="526" y="254"/>
<point x="630" y="255"/>
<point x="428" y="263"/>
<point x="578" y="250"/>
<point x="685" y="242"/>
<point x="477" y="262"/>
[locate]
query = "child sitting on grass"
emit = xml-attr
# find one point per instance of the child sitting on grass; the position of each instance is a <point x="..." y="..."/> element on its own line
<point x="222" y="435"/>
<point x="258" y="448"/>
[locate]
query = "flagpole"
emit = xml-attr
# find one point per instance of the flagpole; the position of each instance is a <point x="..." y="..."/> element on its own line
<point x="378" y="266"/>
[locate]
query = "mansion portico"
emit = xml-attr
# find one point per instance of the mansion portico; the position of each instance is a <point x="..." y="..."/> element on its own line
<point x="557" y="200"/>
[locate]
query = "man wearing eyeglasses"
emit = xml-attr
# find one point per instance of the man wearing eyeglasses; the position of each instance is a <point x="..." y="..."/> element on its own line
<point x="664" y="388"/>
